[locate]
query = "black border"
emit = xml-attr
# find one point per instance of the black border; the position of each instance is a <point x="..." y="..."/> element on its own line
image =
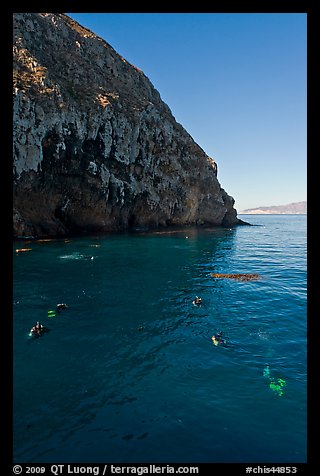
<point x="311" y="8"/>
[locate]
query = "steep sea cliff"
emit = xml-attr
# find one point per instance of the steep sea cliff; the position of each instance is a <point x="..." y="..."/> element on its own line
<point x="95" y="147"/>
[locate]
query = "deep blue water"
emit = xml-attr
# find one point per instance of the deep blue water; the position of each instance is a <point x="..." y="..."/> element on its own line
<point x="128" y="373"/>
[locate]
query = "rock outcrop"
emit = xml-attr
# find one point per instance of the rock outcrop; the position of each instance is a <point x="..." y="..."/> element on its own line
<point x="95" y="147"/>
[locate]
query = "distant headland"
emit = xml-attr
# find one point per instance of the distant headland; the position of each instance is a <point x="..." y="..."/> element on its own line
<point x="296" y="208"/>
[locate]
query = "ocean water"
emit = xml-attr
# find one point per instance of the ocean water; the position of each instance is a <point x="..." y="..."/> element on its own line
<point x="128" y="373"/>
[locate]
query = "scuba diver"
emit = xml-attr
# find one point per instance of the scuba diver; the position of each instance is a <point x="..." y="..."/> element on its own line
<point x="61" y="306"/>
<point x="275" y="384"/>
<point x="197" y="301"/>
<point x="37" y="330"/>
<point x="217" y="339"/>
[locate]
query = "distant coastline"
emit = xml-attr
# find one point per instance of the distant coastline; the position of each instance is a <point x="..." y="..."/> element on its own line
<point x="296" y="208"/>
<point x="269" y="213"/>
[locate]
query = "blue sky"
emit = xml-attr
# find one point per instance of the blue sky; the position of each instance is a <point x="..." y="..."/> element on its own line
<point x="237" y="84"/>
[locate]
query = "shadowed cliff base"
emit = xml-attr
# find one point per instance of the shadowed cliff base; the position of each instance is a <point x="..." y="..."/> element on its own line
<point x="95" y="147"/>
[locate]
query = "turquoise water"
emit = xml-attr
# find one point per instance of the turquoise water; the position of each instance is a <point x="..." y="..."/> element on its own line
<point x="129" y="373"/>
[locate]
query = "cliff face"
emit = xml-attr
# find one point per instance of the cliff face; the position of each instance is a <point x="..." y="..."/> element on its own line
<point x="95" y="147"/>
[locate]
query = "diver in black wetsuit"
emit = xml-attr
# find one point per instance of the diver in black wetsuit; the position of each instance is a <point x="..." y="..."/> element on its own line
<point x="61" y="306"/>
<point x="38" y="329"/>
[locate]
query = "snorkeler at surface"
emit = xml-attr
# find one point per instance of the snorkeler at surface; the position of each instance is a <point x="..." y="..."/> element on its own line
<point x="197" y="301"/>
<point x="217" y="339"/>
<point x="61" y="306"/>
<point x="38" y="329"/>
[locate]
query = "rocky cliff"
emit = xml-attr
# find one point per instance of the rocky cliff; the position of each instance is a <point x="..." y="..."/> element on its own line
<point x="95" y="147"/>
